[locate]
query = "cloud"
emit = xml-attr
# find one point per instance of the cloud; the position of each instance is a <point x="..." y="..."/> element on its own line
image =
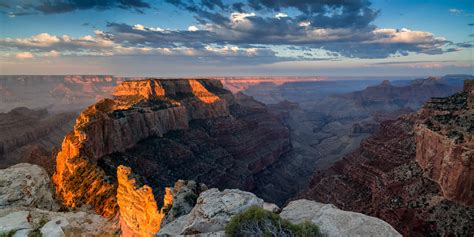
<point x="455" y="11"/>
<point x="103" y="44"/>
<point x="257" y="28"/>
<point x="61" y="6"/>
<point x="24" y="55"/>
<point x="281" y="15"/>
<point x="193" y="28"/>
<point x="367" y="43"/>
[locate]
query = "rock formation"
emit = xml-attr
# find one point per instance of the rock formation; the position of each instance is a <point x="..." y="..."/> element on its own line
<point x="204" y="213"/>
<point x="27" y="207"/>
<point x="26" y="185"/>
<point x="31" y="136"/>
<point x="165" y="130"/>
<point x="384" y="177"/>
<point x="334" y="221"/>
<point x="214" y="209"/>
<point x="139" y="213"/>
<point x="325" y="128"/>
<point x="445" y="144"/>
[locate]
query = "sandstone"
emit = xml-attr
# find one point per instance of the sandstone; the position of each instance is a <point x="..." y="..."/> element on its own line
<point x="14" y="221"/>
<point x="139" y="214"/>
<point x="213" y="211"/>
<point x="202" y="131"/>
<point x="335" y="222"/>
<point x="445" y="144"/>
<point x="23" y="221"/>
<point x="386" y="178"/>
<point x="271" y="207"/>
<point x="28" y="206"/>
<point x="185" y="194"/>
<point x="26" y="185"/>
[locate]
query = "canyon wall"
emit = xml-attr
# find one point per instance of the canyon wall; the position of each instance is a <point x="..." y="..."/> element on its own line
<point x="139" y="213"/>
<point x="114" y="125"/>
<point x="415" y="172"/>
<point x="164" y="130"/>
<point x="32" y="136"/>
<point x="445" y="144"/>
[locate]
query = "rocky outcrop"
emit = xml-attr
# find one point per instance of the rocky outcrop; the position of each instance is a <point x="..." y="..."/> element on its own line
<point x="383" y="178"/>
<point x="335" y="222"/>
<point x="139" y="214"/>
<point x="213" y="211"/>
<point x="26" y="185"/>
<point x="445" y="144"/>
<point x="29" y="222"/>
<point x="202" y="131"/>
<point x="27" y="208"/>
<point x="185" y="194"/>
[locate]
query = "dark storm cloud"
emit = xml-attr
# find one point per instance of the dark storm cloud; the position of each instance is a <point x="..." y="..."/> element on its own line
<point x="324" y="13"/>
<point x="62" y="6"/>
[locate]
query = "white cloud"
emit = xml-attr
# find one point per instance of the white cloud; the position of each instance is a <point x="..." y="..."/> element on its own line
<point x="240" y="17"/>
<point x="305" y="24"/>
<point x="281" y="15"/>
<point x="144" y="28"/>
<point x="403" y="36"/>
<point x="53" y="53"/>
<point x="156" y="29"/>
<point x="139" y="27"/>
<point x="24" y="55"/>
<point x="455" y="10"/>
<point x="193" y="28"/>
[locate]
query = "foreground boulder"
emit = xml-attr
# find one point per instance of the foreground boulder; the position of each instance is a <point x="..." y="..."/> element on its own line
<point x="27" y="208"/>
<point x="213" y="211"/>
<point x="25" y="222"/>
<point x="335" y="222"/>
<point x="26" y="185"/>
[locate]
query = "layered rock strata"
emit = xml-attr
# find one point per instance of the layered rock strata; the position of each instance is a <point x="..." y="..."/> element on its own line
<point x="165" y="130"/>
<point x="398" y="174"/>
<point x="445" y="144"/>
<point x="139" y="213"/>
<point x="31" y="135"/>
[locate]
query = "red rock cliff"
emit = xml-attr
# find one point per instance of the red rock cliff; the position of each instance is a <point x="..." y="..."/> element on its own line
<point x="139" y="110"/>
<point x="410" y="173"/>
<point x="445" y="144"/>
<point x="139" y="213"/>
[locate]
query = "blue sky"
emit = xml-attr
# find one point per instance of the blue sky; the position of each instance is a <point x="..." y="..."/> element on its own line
<point x="213" y="37"/>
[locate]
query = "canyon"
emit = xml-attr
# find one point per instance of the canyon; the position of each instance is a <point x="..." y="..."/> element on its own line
<point x="145" y="152"/>
<point x="324" y="129"/>
<point x="415" y="172"/>
<point x="32" y="136"/>
<point x="165" y="130"/>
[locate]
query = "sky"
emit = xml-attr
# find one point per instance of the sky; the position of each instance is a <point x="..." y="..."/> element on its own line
<point x="237" y="38"/>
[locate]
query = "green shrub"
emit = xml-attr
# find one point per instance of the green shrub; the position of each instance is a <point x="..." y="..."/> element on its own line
<point x="8" y="234"/>
<point x="256" y="221"/>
